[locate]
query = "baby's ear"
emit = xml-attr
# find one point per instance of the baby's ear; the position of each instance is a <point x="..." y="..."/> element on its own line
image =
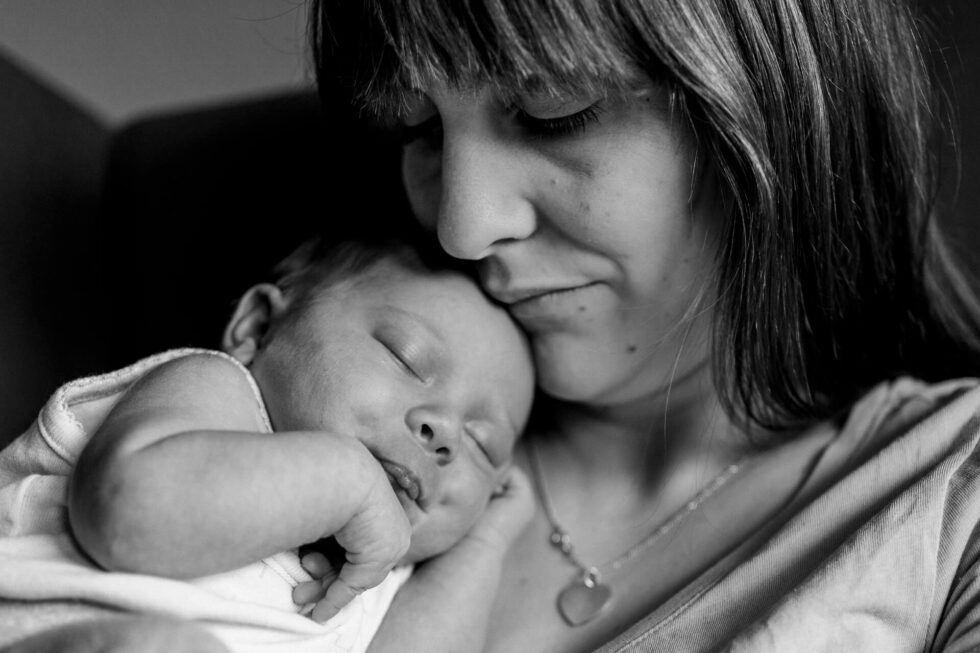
<point x="256" y="310"/>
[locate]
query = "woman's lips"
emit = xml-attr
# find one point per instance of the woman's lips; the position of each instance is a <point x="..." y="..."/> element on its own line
<point x="513" y="296"/>
<point x="403" y="478"/>
<point x="529" y="305"/>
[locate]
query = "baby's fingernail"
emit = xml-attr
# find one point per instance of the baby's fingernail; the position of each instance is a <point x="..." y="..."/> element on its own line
<point x="322" y="614"/>
<point x="306" y="593"/>
<point x="313" y="563"/>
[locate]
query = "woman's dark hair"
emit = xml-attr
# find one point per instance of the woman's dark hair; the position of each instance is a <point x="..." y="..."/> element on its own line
<point x="817" y="118"/>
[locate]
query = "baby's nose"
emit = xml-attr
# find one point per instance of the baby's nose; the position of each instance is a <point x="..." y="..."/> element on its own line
<point x="437" y="433"/>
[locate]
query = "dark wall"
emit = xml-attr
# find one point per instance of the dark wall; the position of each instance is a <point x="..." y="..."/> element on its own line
<point x="200" y="205"/>
<point x="51" y="161"/>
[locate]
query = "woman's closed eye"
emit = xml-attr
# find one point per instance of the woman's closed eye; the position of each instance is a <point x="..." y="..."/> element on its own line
<point x="536" y="119"/>
<point x="557" y="126"/>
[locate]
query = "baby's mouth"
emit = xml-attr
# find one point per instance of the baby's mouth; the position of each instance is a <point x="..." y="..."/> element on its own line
<point x="404" y="479"/>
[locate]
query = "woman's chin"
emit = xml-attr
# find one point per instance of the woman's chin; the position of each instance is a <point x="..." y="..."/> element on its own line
<point x="578" y="376"/>
<point x="583" y="371"/>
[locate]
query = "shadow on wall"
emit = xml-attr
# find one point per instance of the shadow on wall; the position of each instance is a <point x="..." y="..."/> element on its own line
<point x="118" y="245"/>
<point x="51" y="276"/>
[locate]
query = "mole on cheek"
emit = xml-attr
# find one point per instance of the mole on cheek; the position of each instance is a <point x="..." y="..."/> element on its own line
<point x="631" y="349"/>
<point x="581" y="309"/>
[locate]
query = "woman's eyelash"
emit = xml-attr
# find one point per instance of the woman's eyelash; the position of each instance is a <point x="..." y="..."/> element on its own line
<point x="430" y="130"/>
<point x="573" y="123"/>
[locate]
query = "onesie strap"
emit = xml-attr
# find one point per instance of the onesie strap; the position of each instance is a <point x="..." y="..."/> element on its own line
<point x="256" y="392"/>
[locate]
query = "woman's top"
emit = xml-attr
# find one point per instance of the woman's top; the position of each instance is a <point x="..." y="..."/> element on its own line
<point x="877" y="551"/>
<point x="249" y="609"/>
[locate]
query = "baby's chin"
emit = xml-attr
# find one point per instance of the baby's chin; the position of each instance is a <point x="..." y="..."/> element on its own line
<point x="428" y="544"/>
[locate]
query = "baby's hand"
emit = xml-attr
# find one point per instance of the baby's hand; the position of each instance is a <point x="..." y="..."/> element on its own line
<point x="323" y="572"/>
<point x="375" y="539"/>
<point x="510" y="510"/>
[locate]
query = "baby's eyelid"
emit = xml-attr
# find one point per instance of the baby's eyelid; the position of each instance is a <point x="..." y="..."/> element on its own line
<point x="404" y="363"/>
<point x="474" y="433"/>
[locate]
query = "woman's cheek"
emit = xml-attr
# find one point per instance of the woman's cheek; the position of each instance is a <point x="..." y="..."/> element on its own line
<point x="421" y="174"/>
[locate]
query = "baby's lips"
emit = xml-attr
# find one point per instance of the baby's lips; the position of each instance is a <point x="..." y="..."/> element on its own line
<point x="404" y="478"/>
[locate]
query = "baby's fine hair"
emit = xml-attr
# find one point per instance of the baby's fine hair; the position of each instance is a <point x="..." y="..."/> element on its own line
<point x="327" y="259"/>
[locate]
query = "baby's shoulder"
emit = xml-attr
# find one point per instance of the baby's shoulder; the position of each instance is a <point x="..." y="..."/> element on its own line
<point x="201" y="365"/>
<point x="196" y="366"/>
<point x="202" y="380"/>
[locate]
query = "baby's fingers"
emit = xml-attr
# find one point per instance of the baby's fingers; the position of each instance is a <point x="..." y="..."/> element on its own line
<point x="338" y="594"/>
<point x="308" y="592"/>
<point x="375" y="538"/>
<point x="317" y="565"/>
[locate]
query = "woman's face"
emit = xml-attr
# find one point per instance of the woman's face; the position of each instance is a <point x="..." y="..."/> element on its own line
<point x="586" y="221"/>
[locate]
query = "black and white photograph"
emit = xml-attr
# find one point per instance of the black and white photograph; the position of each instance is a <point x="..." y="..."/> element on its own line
<point x="504" y="326"/>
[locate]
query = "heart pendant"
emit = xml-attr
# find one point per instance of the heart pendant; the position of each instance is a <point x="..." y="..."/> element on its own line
<point x="583" y="600"/>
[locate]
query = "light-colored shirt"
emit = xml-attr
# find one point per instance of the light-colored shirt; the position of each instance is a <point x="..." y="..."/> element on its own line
<point x="878" y="552"/>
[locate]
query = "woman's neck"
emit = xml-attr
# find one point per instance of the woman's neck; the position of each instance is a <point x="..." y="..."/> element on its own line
<point x="644" y="443"/>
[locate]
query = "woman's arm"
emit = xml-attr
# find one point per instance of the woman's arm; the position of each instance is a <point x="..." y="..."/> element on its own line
<point x="181" y="481"/>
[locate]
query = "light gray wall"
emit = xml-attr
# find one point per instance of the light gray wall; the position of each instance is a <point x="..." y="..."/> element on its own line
<point x="122" y="58"/>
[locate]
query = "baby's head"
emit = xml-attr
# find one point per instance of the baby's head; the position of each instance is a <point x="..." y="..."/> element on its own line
<point x="376" y="339"/>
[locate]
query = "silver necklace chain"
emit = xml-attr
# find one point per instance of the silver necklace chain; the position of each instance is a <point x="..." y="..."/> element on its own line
<point x="561" y="540"/>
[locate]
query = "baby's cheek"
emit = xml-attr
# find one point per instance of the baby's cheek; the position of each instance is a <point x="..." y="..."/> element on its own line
<point x="376" y="416"/>
<point x="478" y="498"/>
<point x="467" y="508"/>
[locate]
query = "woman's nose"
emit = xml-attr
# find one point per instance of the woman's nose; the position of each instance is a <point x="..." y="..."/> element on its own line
<point x="438" y="433"/>
<point x="484" y="200"/>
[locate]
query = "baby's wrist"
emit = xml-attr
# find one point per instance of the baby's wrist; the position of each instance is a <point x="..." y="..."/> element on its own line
<point x="486" y="543"/>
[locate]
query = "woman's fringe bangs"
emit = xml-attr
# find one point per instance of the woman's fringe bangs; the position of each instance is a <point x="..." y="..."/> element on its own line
<point x="566" y="47"/>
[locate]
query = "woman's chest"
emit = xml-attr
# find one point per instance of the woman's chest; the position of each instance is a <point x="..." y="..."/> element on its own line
<point x="645" y="562"/>
<point x="539" y="584"/>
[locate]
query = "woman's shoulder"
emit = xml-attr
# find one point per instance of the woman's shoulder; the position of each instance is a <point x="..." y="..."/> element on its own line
<point x="904" y="411"/>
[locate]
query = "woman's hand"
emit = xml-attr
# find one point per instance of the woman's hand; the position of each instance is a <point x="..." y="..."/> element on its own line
<point x="123" y="634"/>
<point x="374" y="540"/>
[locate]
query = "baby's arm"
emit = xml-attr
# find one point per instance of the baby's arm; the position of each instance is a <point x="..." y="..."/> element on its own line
<point x="180" y="481"/>
<point x="446" y="604"/>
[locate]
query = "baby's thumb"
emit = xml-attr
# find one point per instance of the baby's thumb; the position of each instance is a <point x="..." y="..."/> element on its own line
<point x="351" y="582"/>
